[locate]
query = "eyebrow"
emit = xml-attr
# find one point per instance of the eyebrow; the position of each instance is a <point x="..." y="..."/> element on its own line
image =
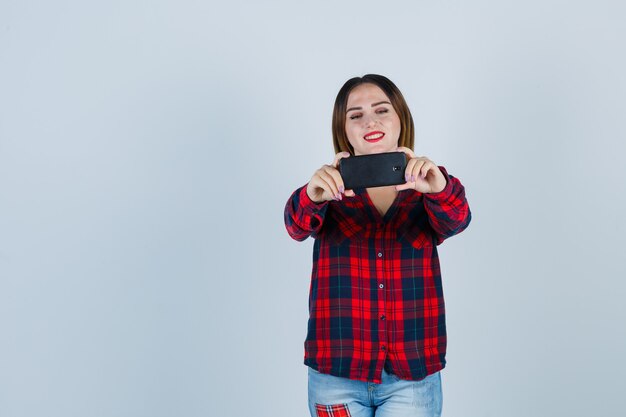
<point x="373" y="105"/>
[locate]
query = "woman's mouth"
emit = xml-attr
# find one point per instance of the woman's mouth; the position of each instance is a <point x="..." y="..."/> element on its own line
<point x="374" y="136"/>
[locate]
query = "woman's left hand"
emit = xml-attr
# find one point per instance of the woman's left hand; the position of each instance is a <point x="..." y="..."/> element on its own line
<point x="421" y="174"/>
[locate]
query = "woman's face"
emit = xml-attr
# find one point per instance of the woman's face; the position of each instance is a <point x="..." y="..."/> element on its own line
<point x="372" y="124"/>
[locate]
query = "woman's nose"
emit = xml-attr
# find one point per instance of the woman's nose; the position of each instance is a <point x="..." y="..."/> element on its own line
<point x="370" y="121"/>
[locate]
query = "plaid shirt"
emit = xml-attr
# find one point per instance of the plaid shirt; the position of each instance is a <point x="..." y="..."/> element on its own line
<point x="376" y="294"/>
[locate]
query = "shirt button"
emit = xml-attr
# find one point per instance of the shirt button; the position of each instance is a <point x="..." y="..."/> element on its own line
<point x="382" y="347"/>
<point x="380" y="254"/>
<point x="382" y="317"/>
<point x="381" y="286"/>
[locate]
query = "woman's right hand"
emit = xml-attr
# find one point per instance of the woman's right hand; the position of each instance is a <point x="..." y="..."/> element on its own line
<point x="326" y="184"/>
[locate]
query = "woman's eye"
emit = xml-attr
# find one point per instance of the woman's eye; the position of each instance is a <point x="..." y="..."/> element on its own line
<point x="382" y="111"/>
<point x="355" y="116"/>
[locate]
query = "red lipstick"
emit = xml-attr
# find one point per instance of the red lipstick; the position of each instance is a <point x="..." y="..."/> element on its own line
<point x="374" y="136"/>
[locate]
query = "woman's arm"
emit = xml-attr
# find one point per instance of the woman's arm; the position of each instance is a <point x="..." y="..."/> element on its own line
<point x="444" y="195"/>
<point x="305" y="209"/>
<point x="448" y="210"/>
<point x="303" y="217"/>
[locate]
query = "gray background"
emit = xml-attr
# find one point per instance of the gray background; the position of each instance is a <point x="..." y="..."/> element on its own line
<point x="147" y="149"/>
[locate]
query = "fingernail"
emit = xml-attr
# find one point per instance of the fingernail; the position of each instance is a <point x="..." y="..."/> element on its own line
<point x="406" y="177"/>
<point x="341" y="190"/>
<point x="412" y="178"/>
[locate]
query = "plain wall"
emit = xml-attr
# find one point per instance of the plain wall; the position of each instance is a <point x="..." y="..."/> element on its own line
<point x="147" y="149"/>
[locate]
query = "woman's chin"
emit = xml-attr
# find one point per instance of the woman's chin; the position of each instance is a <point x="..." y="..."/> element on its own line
<point x="376" y="149"/>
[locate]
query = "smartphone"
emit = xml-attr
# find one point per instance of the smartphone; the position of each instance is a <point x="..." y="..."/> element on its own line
<point x="374" y="170"/>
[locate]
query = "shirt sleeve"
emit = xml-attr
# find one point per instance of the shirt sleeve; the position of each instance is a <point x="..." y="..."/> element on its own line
<point x="448" y="210"/>
<point x="303" y="217"/>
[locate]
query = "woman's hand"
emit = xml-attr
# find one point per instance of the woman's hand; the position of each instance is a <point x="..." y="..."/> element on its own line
<point x="326" y="184"/>
<point x="421" y="174"/>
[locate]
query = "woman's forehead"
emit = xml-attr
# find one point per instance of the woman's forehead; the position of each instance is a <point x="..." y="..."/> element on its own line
<point x="365" y="93"/>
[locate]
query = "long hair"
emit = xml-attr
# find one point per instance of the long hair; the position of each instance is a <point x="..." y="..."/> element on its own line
<point x="407" y="131"/>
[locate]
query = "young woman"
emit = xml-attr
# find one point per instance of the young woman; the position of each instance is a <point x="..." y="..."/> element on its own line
<point x="376" y="336"/>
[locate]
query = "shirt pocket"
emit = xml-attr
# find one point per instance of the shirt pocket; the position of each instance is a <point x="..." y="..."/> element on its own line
<point x="345" y="225"/>
<point x="414" y="229"/>
<point x="415" y="237"/>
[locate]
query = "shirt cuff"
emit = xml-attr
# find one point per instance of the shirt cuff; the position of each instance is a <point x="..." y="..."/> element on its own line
<point x="447" y="190"/>
<point x="309" y="205"/>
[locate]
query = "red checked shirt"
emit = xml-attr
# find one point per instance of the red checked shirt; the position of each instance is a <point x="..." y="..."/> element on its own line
<point x="376" y="295"/>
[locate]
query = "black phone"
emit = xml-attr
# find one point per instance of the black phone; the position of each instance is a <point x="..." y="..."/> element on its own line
<point x="374" y="170"/>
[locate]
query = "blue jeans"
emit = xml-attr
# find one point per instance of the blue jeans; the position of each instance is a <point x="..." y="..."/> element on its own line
<point x="394" y="397"/>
